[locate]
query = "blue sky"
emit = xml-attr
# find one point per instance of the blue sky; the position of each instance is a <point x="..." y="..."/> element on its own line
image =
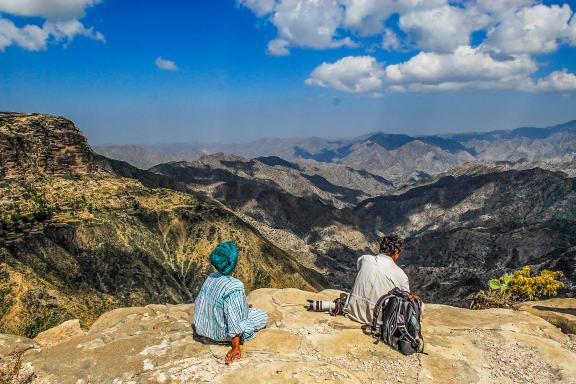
<point x="221" y="70"/>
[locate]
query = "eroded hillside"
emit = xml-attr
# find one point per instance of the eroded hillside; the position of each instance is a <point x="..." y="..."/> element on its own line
<point x="74" y="244"/>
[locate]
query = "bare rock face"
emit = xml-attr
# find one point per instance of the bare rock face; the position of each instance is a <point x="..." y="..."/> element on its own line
<point x="560" y="311"/>
<point x="59" y="334"/>
<point x="154" y="344"/>
<point x="35" y="143"/>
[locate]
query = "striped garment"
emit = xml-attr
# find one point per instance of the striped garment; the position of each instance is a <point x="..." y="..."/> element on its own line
<point x="221" y="310"/>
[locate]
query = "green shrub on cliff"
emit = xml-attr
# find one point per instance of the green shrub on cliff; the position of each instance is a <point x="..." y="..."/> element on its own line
<point x="521" y="285"/>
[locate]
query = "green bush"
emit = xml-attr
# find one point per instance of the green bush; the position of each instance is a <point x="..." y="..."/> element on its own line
<point x="518" y="286"/>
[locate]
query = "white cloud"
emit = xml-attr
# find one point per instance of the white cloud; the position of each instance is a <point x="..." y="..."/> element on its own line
<point x="278" y="47"/>
<point x="259" y="7"/>
<point x="68" y="30"/>
<point x="61" y="23"/>
<point x="34" y="38"/>
<point x="310" y="23"/>
<point x="390" y="41"/>
<point x="356" y="74"/>
<point x="47" y="9"/>
<point x="463" y="65"/>
<point x="368" y="16"/>
<point x="500" y="7"/>
<point x="165" y="65"/>
<point x="558" y="81"/>
<point x="443" y="29"/>
<point x="29" y="37"/>
<point x="531" y="30"/>
<point x="466" y="68"/>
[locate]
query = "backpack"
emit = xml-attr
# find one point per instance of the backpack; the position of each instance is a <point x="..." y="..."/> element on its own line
<point x="396" y="321"/>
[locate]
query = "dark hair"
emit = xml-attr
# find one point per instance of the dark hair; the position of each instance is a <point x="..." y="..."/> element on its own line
<point x="391" y="244"/>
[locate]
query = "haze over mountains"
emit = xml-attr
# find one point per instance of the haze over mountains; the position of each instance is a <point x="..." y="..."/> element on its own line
<point x="399" y="158"/>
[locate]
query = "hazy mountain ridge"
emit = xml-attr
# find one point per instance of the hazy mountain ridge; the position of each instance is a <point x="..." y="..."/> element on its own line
<point x="396" y="157"/>
<point x="556" y="143"/>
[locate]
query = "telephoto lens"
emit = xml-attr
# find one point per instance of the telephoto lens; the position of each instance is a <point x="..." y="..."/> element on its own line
<point x="321" y="306"/>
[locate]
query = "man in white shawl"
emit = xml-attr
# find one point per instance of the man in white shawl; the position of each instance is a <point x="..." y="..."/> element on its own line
<point x="377" y="275"/>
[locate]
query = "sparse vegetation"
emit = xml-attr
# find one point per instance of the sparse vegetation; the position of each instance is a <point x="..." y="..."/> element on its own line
<point x="510" y="289"/>
<point x="12" y="371"/>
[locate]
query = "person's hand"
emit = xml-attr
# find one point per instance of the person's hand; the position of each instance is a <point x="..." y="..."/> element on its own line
<point x="232" y="355"/>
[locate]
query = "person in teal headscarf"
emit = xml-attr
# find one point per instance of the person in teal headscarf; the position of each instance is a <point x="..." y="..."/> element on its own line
<point x="221" y="310"/>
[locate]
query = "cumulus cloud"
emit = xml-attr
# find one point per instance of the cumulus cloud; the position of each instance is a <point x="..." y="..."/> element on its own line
<point x="68" y="30"/>
<point x="465" y="68"/>
<point x="309" y="23"/>
<point x="356" y="74"/>
<point x="368" y="16"/>
<point x="278" y="47"/>
<point x="61" y="23"/>
<point x="47" y="9"/>
<point x="165" y="65"/>
<point x="463" y="65"/>
<point x="558" y="81"/>
<point x="390" y="41"/>
<point x="443" y="29"/>
<point x="532" y="30"/>
<point x="259" y="7"/>
<point x="302" y="23"/>
<point x="29" y="37"/>
<point x="440" y="31"/>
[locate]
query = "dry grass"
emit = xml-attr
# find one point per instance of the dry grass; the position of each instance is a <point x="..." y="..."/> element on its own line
<point x="12" y="371"/>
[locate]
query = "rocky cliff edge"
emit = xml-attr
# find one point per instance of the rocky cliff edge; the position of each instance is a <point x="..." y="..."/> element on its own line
<point x="154" y="344"/>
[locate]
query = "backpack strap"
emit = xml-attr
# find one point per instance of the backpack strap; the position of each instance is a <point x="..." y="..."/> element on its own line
<point x="418" y="303"/>
<point x="378" y="309"/>
<point x="381" y="303"/>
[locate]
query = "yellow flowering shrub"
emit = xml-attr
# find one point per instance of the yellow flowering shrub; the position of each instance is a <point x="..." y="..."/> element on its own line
<point x="525" y="286"/>
<point x="509" y="289"/>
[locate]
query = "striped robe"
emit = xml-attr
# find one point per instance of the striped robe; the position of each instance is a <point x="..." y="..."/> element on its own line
<point x="221" y="310"/>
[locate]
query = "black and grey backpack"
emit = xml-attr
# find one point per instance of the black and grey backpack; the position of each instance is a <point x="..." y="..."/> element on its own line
<point x="396" y="321"/>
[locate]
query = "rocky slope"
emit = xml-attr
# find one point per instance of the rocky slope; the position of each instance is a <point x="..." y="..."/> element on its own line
<point x="336" y="185"/>
<point x="466" y="228"/>
<point x="77" y="240"/>
<point x="155" y="344"/>
<point x="463" y="226"/>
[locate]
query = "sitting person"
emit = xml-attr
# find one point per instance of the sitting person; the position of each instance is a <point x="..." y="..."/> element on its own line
<point x="377" y="275"/>
<point x="221" y="312"/>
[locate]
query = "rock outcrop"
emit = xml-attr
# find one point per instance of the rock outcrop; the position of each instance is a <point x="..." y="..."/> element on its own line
<point x="560" y="311"/>
<point x="154" y="344"/>
<point x="33" y="143"/>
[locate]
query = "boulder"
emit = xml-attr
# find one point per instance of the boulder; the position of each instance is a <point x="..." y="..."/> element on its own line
<point x="59" y="334"/>
<point x="154" y="344"/>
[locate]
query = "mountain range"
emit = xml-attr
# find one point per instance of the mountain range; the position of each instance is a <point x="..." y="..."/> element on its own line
<point x="398" y="158"/>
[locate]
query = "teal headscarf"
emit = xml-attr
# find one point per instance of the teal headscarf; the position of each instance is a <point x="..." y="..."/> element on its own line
<point x="224" y="257"/>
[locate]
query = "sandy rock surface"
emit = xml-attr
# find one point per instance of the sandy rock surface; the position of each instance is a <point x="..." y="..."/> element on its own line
<point x="154" y="344"/>
<point x="560" y="312"/>
<point x="59" y="334"/>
